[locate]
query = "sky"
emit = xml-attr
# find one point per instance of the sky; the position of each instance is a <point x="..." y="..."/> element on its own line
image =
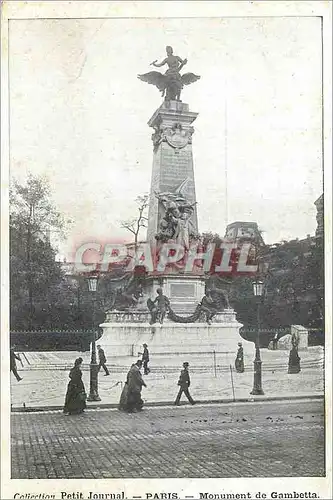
<point x="78" y="116"/>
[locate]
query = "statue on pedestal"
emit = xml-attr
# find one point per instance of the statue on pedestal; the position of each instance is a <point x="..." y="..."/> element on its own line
<point x="176" y="224"/>
<point x="220" y="297"/>
<point x="171" y="83"/>
<point x="158" y="307"/>
<point x="208" y="307"/>
<point x="126" y="295"/>
<point x="214" y="301"/>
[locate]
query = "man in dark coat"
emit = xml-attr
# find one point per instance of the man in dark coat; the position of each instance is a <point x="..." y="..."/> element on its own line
<point x="135" y="383"/>
<point x="145" y="359"/>
<point x="13" y="368"/>
<point x="184" y="383"/>
<point x="102" y="360"/>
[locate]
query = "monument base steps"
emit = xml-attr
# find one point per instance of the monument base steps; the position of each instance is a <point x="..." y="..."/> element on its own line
<point x="125" y="339"/>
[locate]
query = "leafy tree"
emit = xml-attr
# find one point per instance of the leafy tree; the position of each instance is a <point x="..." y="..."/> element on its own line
<point x="209" y="237"/>
<point x="33" y="270"/>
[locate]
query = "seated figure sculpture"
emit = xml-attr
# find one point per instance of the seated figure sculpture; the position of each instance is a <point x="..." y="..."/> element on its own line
<point x="215" y="300"/>
<point x="208" y="307"/>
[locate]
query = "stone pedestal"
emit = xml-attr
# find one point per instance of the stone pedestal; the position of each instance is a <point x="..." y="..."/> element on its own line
<point x="173" y="182"/>
<point x="173" y="175"/>
<point x="172" y="160"/>
<point x="184" y="292"/>
<point x="124" y="334"/>
<point x="301" y="333"/>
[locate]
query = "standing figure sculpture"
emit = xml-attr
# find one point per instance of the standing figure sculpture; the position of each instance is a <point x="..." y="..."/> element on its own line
<point x="169" y="225"/>
<point x="171" y="83"/>
<point x="158" y="307"/>
<point x="186" y="231"/>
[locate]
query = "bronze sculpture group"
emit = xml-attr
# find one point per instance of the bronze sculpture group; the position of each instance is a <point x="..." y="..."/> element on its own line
<point x="176" y="223"/>
<point x="214" y="301"/>
<point x="171" y="82"/>
<point x="125" y="292"/>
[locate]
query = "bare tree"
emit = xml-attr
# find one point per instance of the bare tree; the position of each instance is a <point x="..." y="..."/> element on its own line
<point x="135" y="224"/>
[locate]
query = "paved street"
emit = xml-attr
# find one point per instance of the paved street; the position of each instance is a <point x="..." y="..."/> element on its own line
<point x="228" y="440"/>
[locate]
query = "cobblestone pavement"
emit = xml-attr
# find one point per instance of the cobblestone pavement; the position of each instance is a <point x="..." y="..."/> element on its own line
<point x="232" y="440"/>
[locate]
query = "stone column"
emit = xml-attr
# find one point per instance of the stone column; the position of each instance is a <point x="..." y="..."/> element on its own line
<point x="172" y="161"/>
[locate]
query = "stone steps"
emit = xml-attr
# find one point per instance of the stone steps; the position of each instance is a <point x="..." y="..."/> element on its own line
<point x="317" y="363"/>
<point x="313" y="358"/>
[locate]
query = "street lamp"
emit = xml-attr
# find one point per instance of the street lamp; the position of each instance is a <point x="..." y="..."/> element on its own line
<point x="93" y="394"/>
<point x="258" y="291"/>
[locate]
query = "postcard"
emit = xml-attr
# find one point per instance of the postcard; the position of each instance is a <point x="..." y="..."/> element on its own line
<point x="166" y="250"/>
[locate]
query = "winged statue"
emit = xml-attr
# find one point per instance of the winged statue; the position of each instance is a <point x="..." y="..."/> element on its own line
<point x="171" y="82"/>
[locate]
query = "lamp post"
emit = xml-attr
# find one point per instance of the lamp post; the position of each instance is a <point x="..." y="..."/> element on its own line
<point x="258" y="290"/>
<point x="93" y="393"/>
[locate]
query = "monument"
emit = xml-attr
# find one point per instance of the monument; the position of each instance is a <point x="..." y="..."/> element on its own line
<point x="172" y="212"/>
<point x="175" y="306"/>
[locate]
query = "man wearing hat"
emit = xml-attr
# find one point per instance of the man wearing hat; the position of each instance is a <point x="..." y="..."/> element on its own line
<point x="239" y="361"/>
<point x="184" y="383"/>
<point x="102" y="360"/>
<point x="145" y="359"/>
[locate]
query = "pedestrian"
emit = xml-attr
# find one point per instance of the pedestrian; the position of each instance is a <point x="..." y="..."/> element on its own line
<point x="123" y="402"/>
<point x="102" y="360"/>
<point x="239" y="361"/>
<point x="13" y="367"/>
<point x="135" y="383"/>
<point x="145" y="359"/>
<point x="184" y="383"/>
<point x="275" y="341"/>
<point x="76" y="396"/>
<point x="294" y="365"/>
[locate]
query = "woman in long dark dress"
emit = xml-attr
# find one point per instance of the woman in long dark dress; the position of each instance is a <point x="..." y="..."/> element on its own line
<point x="123" y="402"/>
<point x="75" y="401"/>
<point x="239" y="361"/>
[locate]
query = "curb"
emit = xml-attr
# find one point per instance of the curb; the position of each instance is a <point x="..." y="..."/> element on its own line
<point x="252" y="399"/>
